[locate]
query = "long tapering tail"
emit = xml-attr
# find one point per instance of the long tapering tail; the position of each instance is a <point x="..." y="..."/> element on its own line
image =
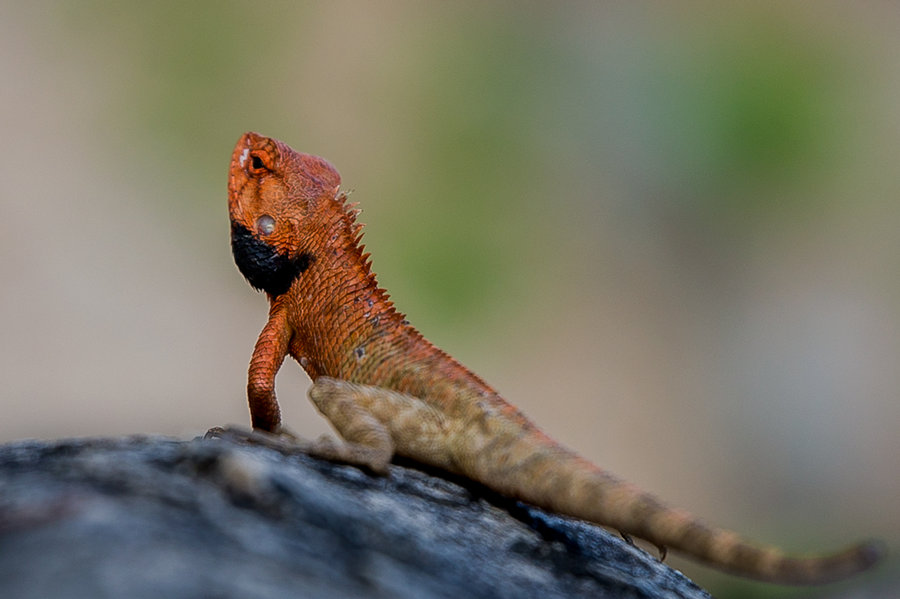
<point x="537" y="470"/>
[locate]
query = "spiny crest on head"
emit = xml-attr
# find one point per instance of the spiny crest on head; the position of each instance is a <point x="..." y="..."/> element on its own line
<point x="350" y="211"/>
<point x="354" y="229"/>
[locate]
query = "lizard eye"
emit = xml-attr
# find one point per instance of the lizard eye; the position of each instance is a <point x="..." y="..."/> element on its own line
<point x="257" y="166"/>
<point x="265" y="225"/>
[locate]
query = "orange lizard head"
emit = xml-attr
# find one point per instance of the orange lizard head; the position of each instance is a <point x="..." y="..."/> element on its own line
<point x="273" y="194"/>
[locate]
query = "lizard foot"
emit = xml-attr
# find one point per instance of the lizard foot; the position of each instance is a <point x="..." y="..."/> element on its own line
<point x="283" y="441"/>
<point x="663" y="550"/>
<point x="287" y="443"/>
<point x="370" y="458"/>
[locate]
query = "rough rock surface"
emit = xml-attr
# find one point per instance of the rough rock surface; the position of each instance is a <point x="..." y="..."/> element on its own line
<point x="158" y="517"/>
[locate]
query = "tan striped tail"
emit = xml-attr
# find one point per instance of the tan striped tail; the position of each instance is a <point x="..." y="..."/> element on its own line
<point x="555" y="478"/>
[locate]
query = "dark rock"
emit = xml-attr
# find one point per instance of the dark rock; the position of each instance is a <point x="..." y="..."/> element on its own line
<point x="156" y="517"/>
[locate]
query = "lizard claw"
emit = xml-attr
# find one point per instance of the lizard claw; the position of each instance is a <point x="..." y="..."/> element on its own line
<point x="663" y="550"/>
<point x="216" y="432"/>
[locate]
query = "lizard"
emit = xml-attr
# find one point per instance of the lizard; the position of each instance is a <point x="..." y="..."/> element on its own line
<point x="388" y="391"/>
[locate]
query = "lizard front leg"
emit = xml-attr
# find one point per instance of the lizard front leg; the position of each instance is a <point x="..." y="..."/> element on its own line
<point x="268" y="356"/>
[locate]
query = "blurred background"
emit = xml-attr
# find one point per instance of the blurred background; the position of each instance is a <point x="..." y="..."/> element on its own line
<point x="667" y="231"/>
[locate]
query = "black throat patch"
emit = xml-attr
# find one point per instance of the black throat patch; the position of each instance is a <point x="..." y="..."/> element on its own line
<point x="262" y="265"/>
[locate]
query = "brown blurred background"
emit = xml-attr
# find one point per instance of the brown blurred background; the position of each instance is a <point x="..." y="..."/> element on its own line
<point x="669" y="232"/>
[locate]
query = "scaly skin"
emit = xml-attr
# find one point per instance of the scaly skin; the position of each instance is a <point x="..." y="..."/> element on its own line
<point x="389" y="391"/>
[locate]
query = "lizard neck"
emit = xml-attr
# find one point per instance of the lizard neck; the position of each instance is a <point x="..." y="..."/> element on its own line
<point x="345" y="326"/>
<point x="342" y="321"/>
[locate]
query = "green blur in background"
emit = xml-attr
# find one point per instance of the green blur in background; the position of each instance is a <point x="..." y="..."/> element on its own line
<point x="667" y="231"/>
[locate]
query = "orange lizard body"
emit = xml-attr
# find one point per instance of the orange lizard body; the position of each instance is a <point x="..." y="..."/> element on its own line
<point x="388" y="391"/>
